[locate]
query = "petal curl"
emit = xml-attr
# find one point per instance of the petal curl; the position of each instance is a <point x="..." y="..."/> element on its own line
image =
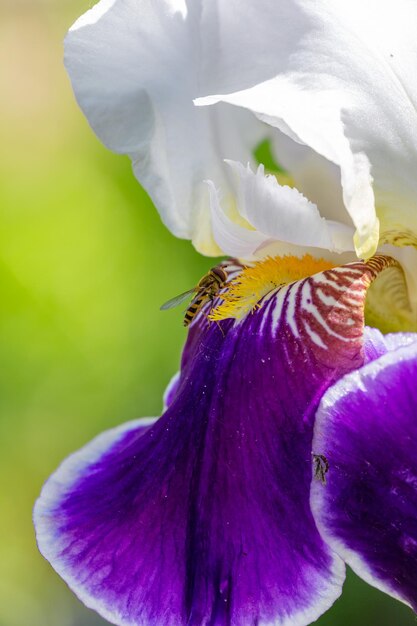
<point x="204" y="516"/>
<point x="233" y="239"/>
<point x="135" y="67"/>
<point x="366" y="427"/>
<point x="339" y="77"/>
<point x="274" y="214"/>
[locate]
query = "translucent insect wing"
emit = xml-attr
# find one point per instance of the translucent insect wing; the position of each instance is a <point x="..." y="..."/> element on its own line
<point x="177" y="300"/>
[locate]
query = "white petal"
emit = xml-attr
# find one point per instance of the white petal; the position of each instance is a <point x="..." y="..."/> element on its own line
<point x="232" y="238"/>
<point x="317" y="178"/>
<point x="135" y="67"/>
<point x="284" y="214"/>
<point x="340" y="77"/>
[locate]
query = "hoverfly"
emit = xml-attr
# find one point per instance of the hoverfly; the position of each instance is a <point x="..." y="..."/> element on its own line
<point x="206" y="290"/>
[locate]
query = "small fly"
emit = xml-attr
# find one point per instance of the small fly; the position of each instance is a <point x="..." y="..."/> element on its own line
<point x="321" y="467"/>
<point x="206" y="290"/>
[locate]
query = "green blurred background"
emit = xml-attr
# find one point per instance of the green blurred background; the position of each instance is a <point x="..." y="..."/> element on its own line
<point x="84" y="265"/>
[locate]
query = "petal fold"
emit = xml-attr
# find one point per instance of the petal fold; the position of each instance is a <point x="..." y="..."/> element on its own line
<point x="270" y="214"/>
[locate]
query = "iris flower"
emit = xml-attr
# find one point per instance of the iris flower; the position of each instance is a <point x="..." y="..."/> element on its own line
<point x="287" y="446"/>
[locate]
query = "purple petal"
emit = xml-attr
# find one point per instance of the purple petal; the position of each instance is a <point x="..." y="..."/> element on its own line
<point x="366" y="427"/>
<point x="374" y="344"/>
<point x="204" y="517"/>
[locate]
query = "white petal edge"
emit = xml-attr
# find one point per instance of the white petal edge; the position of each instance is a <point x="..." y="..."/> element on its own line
<point x="70" y="470"/>
<point x="312" y="614"/>
<point x="173" y="383"/>
<point x="94" y="14"/>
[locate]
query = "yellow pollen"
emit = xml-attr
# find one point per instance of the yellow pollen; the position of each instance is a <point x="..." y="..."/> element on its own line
<point x="245" y="292"/>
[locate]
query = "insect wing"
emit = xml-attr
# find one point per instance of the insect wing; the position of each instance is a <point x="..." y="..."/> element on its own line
<point x="177" y="300"/>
